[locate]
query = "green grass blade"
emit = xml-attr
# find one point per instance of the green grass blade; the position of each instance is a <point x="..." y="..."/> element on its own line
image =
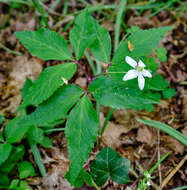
<point x="120" y="10"/>
<point x="109" y="115"/>
<point x="37" y="157"/>
<point x="42" y="12"/>
<point x="28" y="2"/>
<point x="165" y="128"/>
<point x="180" y="188"/>
<point x="159" y="162"/>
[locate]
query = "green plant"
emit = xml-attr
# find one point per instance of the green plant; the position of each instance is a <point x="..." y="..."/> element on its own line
<point x="57" y="101"/>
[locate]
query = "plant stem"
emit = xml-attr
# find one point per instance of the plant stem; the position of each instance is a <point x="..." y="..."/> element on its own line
<point x="9" y="50"/>
<point x="37" y="157"/>
<point x="53" y="130"/>
<point x="109" y="115"/>
<point x="65" y="9"/>
<point x="120" y="10"/>
<point x="90" y="62"/>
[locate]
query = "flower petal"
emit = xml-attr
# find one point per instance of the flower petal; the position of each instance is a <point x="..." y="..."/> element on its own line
<point x="146" y="73"/>
<point x="131" y="61"/>
<point x="131" y="74"/>
<point x="140" y="63"/>
<point x="141" y="82"/>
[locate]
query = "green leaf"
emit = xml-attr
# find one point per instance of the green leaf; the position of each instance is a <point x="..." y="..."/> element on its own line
<point x="7" y="166"/>
<point x="161" y="53"/>
<point x="1" y="119"/>
<point x="4" y="179"/>
<point x="14" y="131"/>
<point x="143" y="42"/>
<point x="82" y="177"/>
<point x="81" y="36"/>
<point x="45" y="44"/>
<point x="14" y="184"/>
<point x="82" y="121"/>
<point x="56" y="107"/>
<point x="47" y="83"/>
<point x="25" y="169"/>
<point x="17" y="153"/>
<point x="108" y="163"/>
<point x="1" y="137"/>
<point x="5" y="150"/>
<point x="24" y="186"/>
<point x="27" y="85"/>
<point x="105" y="89"/>
<point x="169" y="92"/>
<point x="165" y="128"/>
<point x="36" y="134"/>
<point x="101" y="48"/>
<point x="46" y="142"/>
<point x="157" y="83"/>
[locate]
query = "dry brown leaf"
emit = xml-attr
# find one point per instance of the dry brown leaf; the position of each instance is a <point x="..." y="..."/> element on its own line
<point x="130" y="46"/>
<point x="172" y="143"/>
<point x="22" y="67"/>
<point x="145" y="135"/>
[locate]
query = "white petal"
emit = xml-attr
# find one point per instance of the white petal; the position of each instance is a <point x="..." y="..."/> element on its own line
<point x="140" y="63"/>
<point x="146" y="73"/>
<point x="130" y="75"/>
<point x="131" y="61"/>
<point x="141" y="82"/>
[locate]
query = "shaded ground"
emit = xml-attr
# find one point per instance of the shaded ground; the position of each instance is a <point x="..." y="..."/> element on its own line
<point x="131" y="139"/>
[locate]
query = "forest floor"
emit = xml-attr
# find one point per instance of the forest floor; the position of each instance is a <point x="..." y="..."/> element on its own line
<point x="140" y="144"/>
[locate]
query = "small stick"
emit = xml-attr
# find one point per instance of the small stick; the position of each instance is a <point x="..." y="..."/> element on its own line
<point x="158" y="157"/>
<point x="172" y="173"/>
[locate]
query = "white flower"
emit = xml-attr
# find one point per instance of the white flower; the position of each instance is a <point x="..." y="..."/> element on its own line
<point x="148" y="183"/>
<point x="138" y="71"/>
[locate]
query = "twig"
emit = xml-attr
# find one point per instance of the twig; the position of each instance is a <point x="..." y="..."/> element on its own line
<point x="9" y="50"/>
<point x="172" y="173"/>
<point x="158" y="157"/>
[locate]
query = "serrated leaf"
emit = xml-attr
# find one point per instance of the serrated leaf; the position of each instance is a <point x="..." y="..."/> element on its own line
<point x="105" y="89"/>
<point x="108" y="163"/>
<point x="143" y="41"/>
<point x="169" y="92"/>
<point x="45" y="44"/>
<point x="47" y="83"/>
<point x="25" y="169"/>
<point x="27" y="85"/>
<point x="81" y="36"/>
<point x="14" y="131"/>
<point x="55" y="108"/>
<point x="5" y="150"/>
<point x="101" y="48"/>
<point x="161" y="53"/>
<point x="82" y="121"/>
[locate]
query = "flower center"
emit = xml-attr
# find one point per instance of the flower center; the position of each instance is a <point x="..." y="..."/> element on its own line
<point x="140" y="69"/>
